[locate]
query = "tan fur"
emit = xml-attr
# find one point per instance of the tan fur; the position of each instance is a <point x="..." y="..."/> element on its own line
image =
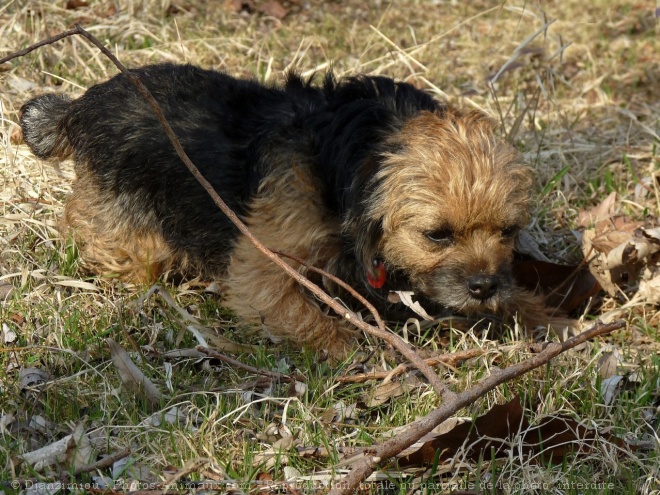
<point x="109" y="243"/>
<point x="288" y="215"/>
<point x="451" y="172"/>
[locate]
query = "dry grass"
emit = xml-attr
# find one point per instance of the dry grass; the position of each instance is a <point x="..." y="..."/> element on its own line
<point x="578" y="96"/>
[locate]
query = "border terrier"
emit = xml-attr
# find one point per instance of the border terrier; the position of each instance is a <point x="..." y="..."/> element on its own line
<point x="370" y="179"/>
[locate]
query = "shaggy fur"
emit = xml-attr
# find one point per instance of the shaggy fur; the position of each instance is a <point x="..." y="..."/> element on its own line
<point x="355" y="176"/>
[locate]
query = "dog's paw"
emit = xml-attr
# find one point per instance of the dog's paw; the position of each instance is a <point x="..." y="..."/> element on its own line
<point x="341" y="343"/>
<point x="565" y="328"/>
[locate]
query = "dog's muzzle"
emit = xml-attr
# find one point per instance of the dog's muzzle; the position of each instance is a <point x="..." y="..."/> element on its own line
<point x="483" y="287"/>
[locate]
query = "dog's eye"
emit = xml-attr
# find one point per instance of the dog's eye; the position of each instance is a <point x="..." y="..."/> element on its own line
<point x="441" y="235"/>
<point x="510" y="231"/>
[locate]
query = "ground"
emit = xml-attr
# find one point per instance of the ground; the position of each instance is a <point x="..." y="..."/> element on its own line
<point x="575" y="86"/>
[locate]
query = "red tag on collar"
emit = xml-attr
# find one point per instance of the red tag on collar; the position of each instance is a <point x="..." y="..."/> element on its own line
<point x="378" y="280"/>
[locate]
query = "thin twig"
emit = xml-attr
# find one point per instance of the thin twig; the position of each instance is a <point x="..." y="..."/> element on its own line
<point x="106" y="462"/>
<point x="446" y="359"/>
<point x="247" y="367"/>
<point x="417" y="430"/>
<point x="49" y="41"/>
<point x="361" y="299"/>
<point x="380" y="331"/>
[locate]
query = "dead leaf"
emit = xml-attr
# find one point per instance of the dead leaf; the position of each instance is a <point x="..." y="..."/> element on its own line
<point x="73" y="451"/>
<point x="602" y="211"/>
<point x="132" y="377"/>
<point x="291" y="473"/>
<point x="273" y="8"/>
<point x="528" y="247"/>
<point x="382" y="393"/>
<point x="31" y="377"/>
<point x="5" y="290"/>
<point x="76" y="4"/>
<point x="16" y="138"/>
<point x="491" y="435"/>
<point x="652" y="234"/>
<point x="8" y="335"/>
<point x="175" y="415"/>
<point x="646" y="187"/>
<point x="83" y="452"/>
<point x="77" y="284"/>
<point x="405" y="297"/>
<point x="610" y="388"/>
<point x="564" y="286"/>
<point x="619" y="250"/>
<point x="277" y="452"/>
<point x="184" y="354"/>
<point x="17" y="318"/>
<point x="6" y="420"/>
<point x="609" y="364"/>
<point x="649" y="290"/>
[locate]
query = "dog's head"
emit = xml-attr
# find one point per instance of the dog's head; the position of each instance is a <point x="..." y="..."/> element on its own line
<point x="449" y="201"/>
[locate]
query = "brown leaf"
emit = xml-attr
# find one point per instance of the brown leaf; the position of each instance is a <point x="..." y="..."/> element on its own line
<point x="491" y="434"/>
<point x="82" y="452"/>
<point x="608" y="234"/>
<point x="564" y="286"/>
<point x="17" y="318"/>
<point x="16" y="136"/>
<point x="76" y="4"/>
<point x="263" y="476"/>
<point x="387" y="390"/>
<point x="496" y="423"/>
<point x="132" y="377"/>
<point x="608" y="364"/>
<point x="5" y="290"/>
<point x="618" y="250"/>
<point x="273" y="8"/>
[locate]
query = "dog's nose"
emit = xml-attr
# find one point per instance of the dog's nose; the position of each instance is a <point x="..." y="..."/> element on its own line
<point x="483" y="286"/>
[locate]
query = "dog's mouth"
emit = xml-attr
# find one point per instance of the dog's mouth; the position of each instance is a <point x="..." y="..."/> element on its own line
<point x="480" y="293"/>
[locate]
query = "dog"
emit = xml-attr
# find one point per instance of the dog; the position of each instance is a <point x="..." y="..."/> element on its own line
<point x="371" y="179"/>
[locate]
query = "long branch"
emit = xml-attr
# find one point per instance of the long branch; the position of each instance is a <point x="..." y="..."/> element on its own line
<point x="417" y="430"/>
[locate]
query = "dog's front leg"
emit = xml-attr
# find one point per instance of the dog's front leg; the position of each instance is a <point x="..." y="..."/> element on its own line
<point x="287" y="215"/>
<point x="257" y="290"/>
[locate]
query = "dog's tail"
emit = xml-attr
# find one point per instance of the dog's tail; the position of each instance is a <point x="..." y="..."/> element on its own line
<point x="42" y="121"/>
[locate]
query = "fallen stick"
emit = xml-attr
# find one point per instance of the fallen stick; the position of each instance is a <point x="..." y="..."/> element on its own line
<point x="446" y="359"/>
<point x="364" y="467"/>
<point x="238" y="364"/>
